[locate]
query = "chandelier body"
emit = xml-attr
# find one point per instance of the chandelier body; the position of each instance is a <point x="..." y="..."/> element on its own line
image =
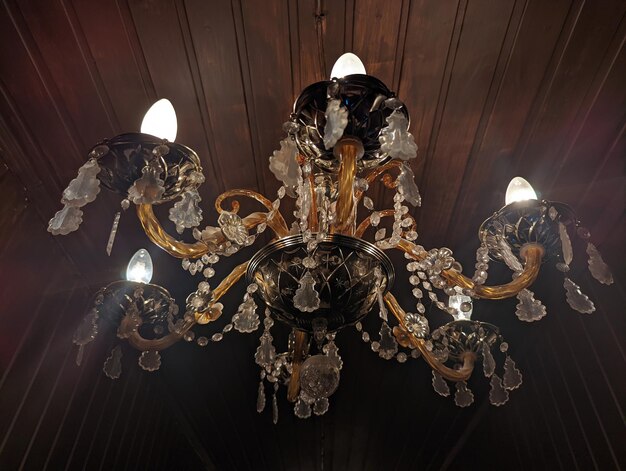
<point x="324" y="271"/>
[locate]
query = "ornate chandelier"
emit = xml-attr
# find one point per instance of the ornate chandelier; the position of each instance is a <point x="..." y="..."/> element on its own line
<point x="328" y="269"/>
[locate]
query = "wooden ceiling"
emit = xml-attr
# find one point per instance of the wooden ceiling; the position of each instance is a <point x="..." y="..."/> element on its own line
<point x="495" y="89"/>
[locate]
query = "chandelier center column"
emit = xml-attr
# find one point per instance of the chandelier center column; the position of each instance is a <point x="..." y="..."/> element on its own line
<point x="348" y="150"/>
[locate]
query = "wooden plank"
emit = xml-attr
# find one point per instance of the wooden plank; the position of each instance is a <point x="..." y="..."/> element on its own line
<point x="485" y="27"/>
<point x="491" y="160"/>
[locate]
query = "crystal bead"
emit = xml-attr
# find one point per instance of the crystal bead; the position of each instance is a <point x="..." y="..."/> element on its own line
<point x="202" y="341"/>
<point x="189" y="336"/>
<point x="414" y="280"/>
<point x="208" y="272"/>
<point x="217" y="337"/>
<point x="185" y="263"/>
<point x="358" y="326"/>
<point x="365" y="336"/>
<point x="227" y="328"/>
<point x="204" y="287"/>
<point x="375" y="346"/>
<point x="214" y="258"/>
<point x="252" y="288"/>
<point x="583" y="233"/>
<point x="418" y="293"/>
<point x="562" y="267"/>
<point x="411" y="235"/>
<point x="401" y="357"/>
<point x="504" y="347"/>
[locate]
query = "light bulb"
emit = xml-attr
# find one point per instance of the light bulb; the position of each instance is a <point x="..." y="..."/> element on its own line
<point x="160" y="120"/>
<point x="140" y="267"/>
<point x="519" y="190"/>
<point x="347" y="64"/>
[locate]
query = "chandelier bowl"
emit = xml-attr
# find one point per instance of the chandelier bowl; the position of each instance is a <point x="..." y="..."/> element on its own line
<point x="344" y="269"/>
<point x="364" y="97"/>
<point x="123" y="158"/>
<point x="526" y="222"/>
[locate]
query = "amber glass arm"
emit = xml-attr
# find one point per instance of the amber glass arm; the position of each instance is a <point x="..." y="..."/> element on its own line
<point x="140" y="343"/>
<point x="461" y="374"/>
<point x="532" y="255"/>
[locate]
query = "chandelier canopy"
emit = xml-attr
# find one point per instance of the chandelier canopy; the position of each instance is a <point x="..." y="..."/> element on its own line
<point x="326" y="268"/>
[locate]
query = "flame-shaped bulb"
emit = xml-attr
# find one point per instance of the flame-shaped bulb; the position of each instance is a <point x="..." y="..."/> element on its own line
<point x="160" y="120"/>
<point x="347" y="64"/>
<point x="140" y="267"/>
<point x="519" y="190"/>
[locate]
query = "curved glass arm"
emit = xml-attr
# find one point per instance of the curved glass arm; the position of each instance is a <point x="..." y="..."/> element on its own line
<point x="531" y="253"/>
<point x="140" y="343"/>
<point x="348" y="150"/>
<point x="384" y="213"/>
<point x="375" y="173"/>
<point x="461" y="374"/>
<point x="276" y="222"/>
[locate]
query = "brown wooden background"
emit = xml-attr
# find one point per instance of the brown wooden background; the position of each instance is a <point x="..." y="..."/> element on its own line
<point x="495" y="89"/>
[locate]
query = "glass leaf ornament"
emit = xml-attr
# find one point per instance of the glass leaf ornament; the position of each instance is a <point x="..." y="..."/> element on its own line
<point x="512" y="376"/>
<point x="306" y="298"/>
<point x="566" y="244"/>
<point x="336" y="122"/>
<point x="598" y="268"/>
<point x="489" y="364"/>
<point x="65" y="221"/>
<point x="388" y="343"/>
<point x="407" y="185"/>
<point x="147" y="189"/>
<point x="284" y="163"/>
<point x="113" y="364"/>
<point x="576" y="298"/>
<point x="246" y="320"/>
<point x="260" y="399"/>
<point x="529" y="309"/>
<point x="395" y="139"/>
<point x="332" y="352"/>
<point x="233" y="227"/>
<point x="497" y="395"/>
<point x="302" y="409"/>
<point x="265" y="352"/>
<point x="85" y="187"/>
<point x="85" y="333"/>
<point x="150" y="360"/>
<point x="320" y="407"/>
<point x="439" y="385"/>
<point x="186" y="213"/>
<point x="463" y="396"/>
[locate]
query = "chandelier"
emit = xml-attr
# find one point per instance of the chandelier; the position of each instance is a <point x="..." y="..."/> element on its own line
<point x="327" y="269"/>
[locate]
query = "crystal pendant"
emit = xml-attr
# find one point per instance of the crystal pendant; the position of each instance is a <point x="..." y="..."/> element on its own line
<point x="439" y="385"/>
<point x="85" y="187"/>
<point x="150" y="360"/>
<point x="186" y="213"/>
<point x="284" y="164"/>
<point x="489" y="364"/>
<point x="246" y="320"/>
<point x="388" y="343"/>
<point x="566" y="244"/>
<point x="65" y="220"/>
<point x="85" y="333"/>
<point x="260" y="400"/>
<point x="576" y="298"/>
<point x="336" y="122"/>
<point x="302" y="409"/>
<point x="407" y="185"/>
<point x="275" y="405"/>
<point x="306" y="298"/>
<point x="529" y="309"/>
<point x="395" y="139"/>
<point x="320" y="407"/>
<point x="597" y="267"/>
<point x="113" y="233"/>
<point x="149" y="188"/>
<point x="113" y="364"/>
<point x="498" y="395"/>
<point x="512" y="376"/>
<point x="463" y="396"/>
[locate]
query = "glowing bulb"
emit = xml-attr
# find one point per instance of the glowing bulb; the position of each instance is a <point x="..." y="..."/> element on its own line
<point x="347" y="64"/>
<point x="140" y="267"/>
<point x="519" y="190"/>
<point x="160" y="120"/>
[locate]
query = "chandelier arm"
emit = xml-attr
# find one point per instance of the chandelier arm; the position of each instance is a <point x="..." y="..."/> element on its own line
<point x="374" y="174"/>
<point x="210" y="315"/>
<point x="276" y="222"/>
<point x="293" y="389"/>
<point x="450" y="374"/>
<point x="531" y="253"/>
<point x="349" y="150"/>
<point x="155" y="232"/>
<point x="384" y="213"/>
